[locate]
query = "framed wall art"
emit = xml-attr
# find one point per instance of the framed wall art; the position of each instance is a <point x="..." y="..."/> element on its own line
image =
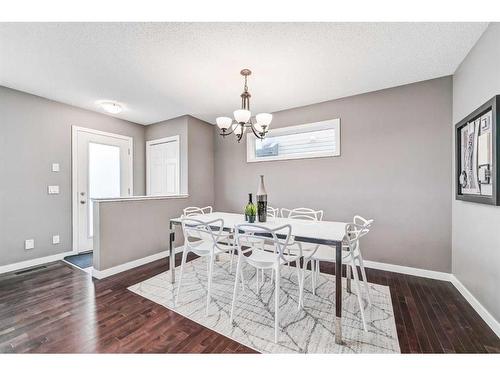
<point x="477" y="155"/>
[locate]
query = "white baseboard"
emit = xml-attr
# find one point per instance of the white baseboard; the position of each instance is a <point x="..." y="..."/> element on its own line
<point x="480" y="309"/>
<point x="409" y="270"/>
<point x="135" y="263"/>
<point x="34" y="262"/>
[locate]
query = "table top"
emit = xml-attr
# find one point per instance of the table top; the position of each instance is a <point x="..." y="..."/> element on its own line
<point x="320" y="232"/>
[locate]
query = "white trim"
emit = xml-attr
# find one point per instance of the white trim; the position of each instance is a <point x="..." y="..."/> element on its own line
<point x="480" y="309"/>
<point x="141" y="198"/>
<point x="34" y="262"/>
<point x="408" y="270"/>
<point x="74" y="175"/>
<point x="297" y="129"/>
<point x="174" y="138"/>
<point x="132" y="264"/>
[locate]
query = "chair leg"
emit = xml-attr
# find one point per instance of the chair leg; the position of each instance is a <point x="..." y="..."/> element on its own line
<point x="210" y="270"/>
<point x="301" y="284"/>
<point x="276" y="304"/>
<point x="256" y="280"/>
<point x="235" y="291"/>
<point x="313" y="278"/>
<point x="358" y="292"/>
<point x="317" y="273"/>
<point x="365" y="280"/>
<point x="348" y="270"/>
<point x="242" y="278"/>
<point x="184" y="256"/>
<point x="231" y="262"/>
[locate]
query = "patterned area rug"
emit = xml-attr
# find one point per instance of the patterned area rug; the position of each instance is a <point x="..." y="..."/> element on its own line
<point x="310" y="330"/>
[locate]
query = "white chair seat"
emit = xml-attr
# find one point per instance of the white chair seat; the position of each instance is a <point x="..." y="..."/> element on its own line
<point x="327" y="253"/>
<point x="267" y="259"/>
<point x="205" y="247"/>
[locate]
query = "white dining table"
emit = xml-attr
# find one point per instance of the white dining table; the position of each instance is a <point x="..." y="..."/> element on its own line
<point x="317" y="232"/>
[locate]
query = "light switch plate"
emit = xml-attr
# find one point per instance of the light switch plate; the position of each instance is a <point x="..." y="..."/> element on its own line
<point x="53" y="189"/>
<point x="29" y="244"/>
<point x="55" y="239"/>
<point x="55" y="167"/>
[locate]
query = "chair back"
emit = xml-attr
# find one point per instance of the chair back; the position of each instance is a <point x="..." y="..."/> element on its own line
<point x="367" y="223"/>
<point x="249" y="238"/>
<point x="193" y="211"/>
<point x="196" y="230"/>
<point x="353" y="232"/>
<point x="272" y="212"/>
<point x="302" y="213"/>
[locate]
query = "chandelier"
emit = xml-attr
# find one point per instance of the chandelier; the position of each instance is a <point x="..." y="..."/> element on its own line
<point x="243" y="117"/>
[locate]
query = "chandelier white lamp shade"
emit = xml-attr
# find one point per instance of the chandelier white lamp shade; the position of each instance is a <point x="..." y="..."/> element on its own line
<point x="243" y="117"/>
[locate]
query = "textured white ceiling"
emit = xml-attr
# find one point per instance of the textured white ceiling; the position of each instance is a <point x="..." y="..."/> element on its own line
<point x="163" y="70"/>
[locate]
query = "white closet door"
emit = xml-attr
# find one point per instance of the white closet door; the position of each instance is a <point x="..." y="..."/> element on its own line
<point x="163" y="166"/>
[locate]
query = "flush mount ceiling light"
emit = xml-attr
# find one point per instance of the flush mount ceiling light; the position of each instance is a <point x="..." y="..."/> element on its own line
<point x="111" y="107"/>
<point x="243" y="117"/>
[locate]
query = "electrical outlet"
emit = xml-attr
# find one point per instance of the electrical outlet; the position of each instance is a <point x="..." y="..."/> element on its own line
<point x="55" y="167"/>
<point x="55" y="239"/>
<point x="29" y="244"/>
<point x="53" y="189"/>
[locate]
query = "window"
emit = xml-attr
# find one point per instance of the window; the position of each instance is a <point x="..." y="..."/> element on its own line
<point x="318" y="139"/>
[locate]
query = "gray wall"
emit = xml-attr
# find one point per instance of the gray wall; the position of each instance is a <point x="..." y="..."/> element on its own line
<point x="476" y="238"/>
<point x="197" y="154"/>
<point x="131" y="230"/>
<point x="36" y="132"/>
<point x="168" y="128"/>
<point x="395" y="167"/>
<point x="201" y="162"/>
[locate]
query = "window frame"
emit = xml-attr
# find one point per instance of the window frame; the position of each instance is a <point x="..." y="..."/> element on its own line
<point x="296" y="129"/>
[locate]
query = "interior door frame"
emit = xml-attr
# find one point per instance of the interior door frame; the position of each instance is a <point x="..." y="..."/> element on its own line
<point x="74" y="173"/>
<point x="176" y="138"/>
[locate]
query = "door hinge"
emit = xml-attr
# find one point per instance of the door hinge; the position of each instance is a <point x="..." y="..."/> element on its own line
<point x="129" y="151"/>
<point x="128" y="191"/>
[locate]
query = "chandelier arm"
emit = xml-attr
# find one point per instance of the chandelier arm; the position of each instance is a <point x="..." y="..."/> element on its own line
<point x="239" y="136"/>
<point x="226" y="133"/>
<point x="258" y="135"/>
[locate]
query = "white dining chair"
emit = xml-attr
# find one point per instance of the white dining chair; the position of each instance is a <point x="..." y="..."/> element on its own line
<point x="327" y="254"/>
<point x="251" y="251"/>
<point x="201" y="239"/>
<point x="273" y="212"/>
<point x="303" y="213"/>
<point x="193" y="211"/>
<point x="351" y="257"/>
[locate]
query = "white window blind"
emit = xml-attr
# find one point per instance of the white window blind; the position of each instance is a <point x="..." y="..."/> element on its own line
<point x="321" y="139"/>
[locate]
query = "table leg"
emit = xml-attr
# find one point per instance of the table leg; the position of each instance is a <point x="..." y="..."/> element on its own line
<point x="172" y="254"/>
<point x="348" y="277"/>
<point x="338" y="293"/>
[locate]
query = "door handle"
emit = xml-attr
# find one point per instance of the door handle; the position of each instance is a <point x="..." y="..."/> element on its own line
<point x="82" y="202"/>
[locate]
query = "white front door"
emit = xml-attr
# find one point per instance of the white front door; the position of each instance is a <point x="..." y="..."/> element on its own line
<point x="103" y="170"/>
<point x="163" y="172"/>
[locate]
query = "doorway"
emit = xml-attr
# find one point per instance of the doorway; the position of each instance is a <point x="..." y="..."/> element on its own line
<point x="102" y="168"/>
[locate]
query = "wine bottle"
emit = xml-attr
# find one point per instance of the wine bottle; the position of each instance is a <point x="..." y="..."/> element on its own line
<point x="262" y="201"/>
<point x="249" y="208"/>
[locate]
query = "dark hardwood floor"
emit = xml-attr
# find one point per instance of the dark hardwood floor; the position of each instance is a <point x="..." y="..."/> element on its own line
<point x="60" y="309"/>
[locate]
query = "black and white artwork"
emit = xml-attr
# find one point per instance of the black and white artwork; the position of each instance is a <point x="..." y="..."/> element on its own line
<point x="477" y="154"/>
